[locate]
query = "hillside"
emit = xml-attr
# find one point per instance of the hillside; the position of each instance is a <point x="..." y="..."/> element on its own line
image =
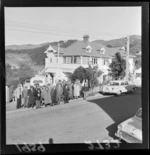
<point x="63" y="44"/>
<point x="135" y="43"/>
<point x="99" y="41"/>
<point x="25" y="46"/>
<point x="34" y="54"/>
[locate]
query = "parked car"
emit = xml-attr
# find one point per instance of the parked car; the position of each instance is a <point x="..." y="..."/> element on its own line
<point x="131" y="129"/>
<point x="118" y="87"/>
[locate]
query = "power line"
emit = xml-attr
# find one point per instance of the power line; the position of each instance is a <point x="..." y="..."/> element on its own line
<point x="40" y="28"/>
<point x="22" y="30"/>
<point x="43" y="31"/>
<point x="48" y="26"/>
<point x="59" y="28"/>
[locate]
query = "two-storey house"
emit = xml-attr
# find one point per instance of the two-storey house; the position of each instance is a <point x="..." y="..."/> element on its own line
<point x="60" y="61"/>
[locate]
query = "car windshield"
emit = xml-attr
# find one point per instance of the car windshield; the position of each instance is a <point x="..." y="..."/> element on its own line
<point x="139" y="114"/>
<point x="37" y="81"/>
<point x="40" y="81"/>
<point x="114" y="84"/>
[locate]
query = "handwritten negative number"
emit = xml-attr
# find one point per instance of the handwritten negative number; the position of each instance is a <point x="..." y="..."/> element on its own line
<point x="30" y="147"/>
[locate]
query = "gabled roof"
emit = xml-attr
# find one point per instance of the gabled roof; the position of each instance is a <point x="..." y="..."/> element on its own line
<point x="54" y="49"/>
<point x="78" y="48"/>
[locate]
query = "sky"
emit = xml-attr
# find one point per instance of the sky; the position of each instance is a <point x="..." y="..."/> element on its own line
<point x="35" y="25"/>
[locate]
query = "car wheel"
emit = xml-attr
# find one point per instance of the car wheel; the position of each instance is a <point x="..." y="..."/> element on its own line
<point x="119" y="93"/>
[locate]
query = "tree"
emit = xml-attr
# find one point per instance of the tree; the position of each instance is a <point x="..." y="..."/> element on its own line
<point x="90" y="74"/>
<point x="14" y="76"/>
<point x="79" y="73"/>
<point x="117" y="67"/>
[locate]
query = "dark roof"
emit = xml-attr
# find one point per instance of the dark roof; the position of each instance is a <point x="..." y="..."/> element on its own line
<point x="78" y="49"/>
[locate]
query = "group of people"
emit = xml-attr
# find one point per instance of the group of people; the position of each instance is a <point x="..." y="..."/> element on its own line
<point x="38" y="96"/>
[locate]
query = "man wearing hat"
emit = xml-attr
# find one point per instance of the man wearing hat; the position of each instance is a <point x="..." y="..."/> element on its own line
<point x="38" y="96"/>
<point x="31" y="94"/>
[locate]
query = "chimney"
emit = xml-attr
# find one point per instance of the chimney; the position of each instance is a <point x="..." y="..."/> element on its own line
<point x="86" y="39"/>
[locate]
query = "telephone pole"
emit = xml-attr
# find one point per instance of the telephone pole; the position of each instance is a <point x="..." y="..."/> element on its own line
<point x="58" y="59"/>
<point x="127" y="57"/>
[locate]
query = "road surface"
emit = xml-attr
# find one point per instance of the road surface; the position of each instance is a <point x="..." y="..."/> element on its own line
<point x="76" y="122"/>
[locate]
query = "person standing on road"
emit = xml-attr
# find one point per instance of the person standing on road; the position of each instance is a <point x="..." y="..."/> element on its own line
<point x="80" y="88"/>
<point x="66" y="93"/>
<point x="70" y="91"/>
<point x="53" y="94"/>
<point x="76" y="90"/>
<point x="50" y="93"/>
<point x="46" y="94"/>
<point x="31" y="94"/>
<point x="42" y="96"/>
<point x="25" y="96"/>
<point x="38" y="98"/>
<point x="59" y="92"/>
<point x="18" y="96"/>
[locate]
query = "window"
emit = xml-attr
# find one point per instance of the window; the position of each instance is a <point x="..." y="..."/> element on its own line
<point x="94" y="60"/>
<point x="71" y="60"/>
<point x="126" y="83"/>
<point x="114" y="84"/>
<point x="102" y="50"/>
<point x="103" y="61"/>
<point x="37" y="81"/>
<point x="122" y="83"/>
<point x="75" y="60"/>
<point x="64" y="60"/>
<point x="88" y="49"/>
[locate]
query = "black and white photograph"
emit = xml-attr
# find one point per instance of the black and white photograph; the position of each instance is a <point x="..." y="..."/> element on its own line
<point x="73" y="75"/>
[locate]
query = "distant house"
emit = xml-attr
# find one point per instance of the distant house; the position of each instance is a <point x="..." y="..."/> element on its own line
<point x="138" y="77"/>
<point x="14" y="66"/>
<point x="81" y="53"/>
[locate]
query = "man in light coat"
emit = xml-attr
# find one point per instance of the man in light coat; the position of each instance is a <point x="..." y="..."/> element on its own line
<point x="59" y="91"/>
<point x="18" y="97"/>
<point x="25" y="96"/>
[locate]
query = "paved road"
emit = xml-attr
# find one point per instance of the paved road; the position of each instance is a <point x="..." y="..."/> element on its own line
<point x="76" y="122"/>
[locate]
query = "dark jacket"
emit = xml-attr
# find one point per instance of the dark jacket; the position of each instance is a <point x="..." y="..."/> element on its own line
<point x="32" y="95"/>
<point x="38" y="94"/>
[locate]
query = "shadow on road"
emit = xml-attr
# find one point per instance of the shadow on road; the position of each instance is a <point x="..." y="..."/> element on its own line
<point x="119" y="108"/>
